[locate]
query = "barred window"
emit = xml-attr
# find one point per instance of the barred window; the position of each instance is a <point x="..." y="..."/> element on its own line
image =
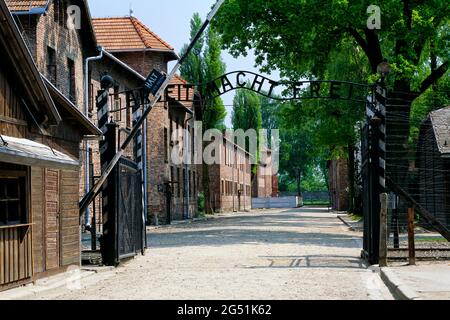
<point x="13" y="198"/>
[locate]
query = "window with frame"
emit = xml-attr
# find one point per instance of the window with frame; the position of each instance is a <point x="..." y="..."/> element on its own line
<point x="51" y="65"/>
<point x="13" y="198"/>
<point x="56" y="12"/>
<point x="62" y="8"/>
<point x="178" y="182"/>
<point x="172" y="179"/>
<point x="166" y="146"/>
<point x="117" y="104"/>
<point x="183" y="179"/>
<point x="194" y="175"/>
<point x="91" y="98"/>
<point x="72" y="80"/>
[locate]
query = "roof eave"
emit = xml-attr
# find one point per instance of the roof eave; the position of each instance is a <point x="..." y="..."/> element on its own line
<point x="33" y="11"/>
<point x="181" y="106"/>
<point x="72" y="109"/>
<point x="41" y="95"/>
<point x="171" y="53"/>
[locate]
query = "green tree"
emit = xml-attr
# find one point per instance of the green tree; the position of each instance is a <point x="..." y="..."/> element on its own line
<point x="203" y="65"/>
<point x="246" y="110"/>
<point x="247" y="115"/>
<point x="302" y="37"/>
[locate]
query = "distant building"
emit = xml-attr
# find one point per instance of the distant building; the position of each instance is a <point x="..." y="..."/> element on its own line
<point x="263" y="180"/>
<point x="338" y="184"/>
<point x="40" y="135"/>
<point x="230" y="181"/>
<point x="136" y="46"/>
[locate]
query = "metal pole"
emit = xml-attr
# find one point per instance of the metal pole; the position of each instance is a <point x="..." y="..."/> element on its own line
<point x="90" y="196"/>
<point x="411" y="243"/>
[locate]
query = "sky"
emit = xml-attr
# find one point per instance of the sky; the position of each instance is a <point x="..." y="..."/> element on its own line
<point x="170" y="19"/>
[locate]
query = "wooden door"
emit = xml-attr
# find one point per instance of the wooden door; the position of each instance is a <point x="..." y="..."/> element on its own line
<point x="52" y="219"/>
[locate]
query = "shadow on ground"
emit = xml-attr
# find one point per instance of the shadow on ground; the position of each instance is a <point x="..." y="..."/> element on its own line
<point x="302" y="227"/>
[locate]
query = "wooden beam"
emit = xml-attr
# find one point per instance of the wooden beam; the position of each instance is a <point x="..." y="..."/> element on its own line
<point x="411" y="243"/>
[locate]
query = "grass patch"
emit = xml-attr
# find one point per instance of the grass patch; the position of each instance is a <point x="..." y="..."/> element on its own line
<point x="356" y="217"/>
<point x="431" y="239"/>
<point x="316" y="203"/>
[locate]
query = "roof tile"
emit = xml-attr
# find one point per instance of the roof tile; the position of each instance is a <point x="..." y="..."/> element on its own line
<point x="25" y="5"/>
<point x="127" y="33"/>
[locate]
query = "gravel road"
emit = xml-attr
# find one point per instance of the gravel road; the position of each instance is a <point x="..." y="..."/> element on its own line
<point x="291" y="254"/>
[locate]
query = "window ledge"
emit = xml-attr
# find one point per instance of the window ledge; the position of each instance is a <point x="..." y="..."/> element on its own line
<point x="12" y="226"/>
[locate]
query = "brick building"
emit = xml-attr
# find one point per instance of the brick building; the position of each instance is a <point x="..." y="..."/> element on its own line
<point x="130" y="41"/>
<point x="339" y="185"/>
<point x="264" y="178"/>
<point x="59" y="52"/>
<point x="131" y="51"/>
<point x="230" y="181"/>
<point x="41" y="131"/>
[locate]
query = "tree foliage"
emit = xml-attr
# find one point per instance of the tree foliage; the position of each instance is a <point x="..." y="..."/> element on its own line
<point x="246" y="110"/>
<point x="203" y="65"/>
<point x="298" y="37"/>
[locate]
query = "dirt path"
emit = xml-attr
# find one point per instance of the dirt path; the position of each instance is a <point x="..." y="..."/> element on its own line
<point x="295" y="254"/>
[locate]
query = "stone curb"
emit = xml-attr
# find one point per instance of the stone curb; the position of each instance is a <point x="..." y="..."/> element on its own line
<point x="399" y="289"/>
<point x="46" y="284"/>
<point x="346" y="223"/>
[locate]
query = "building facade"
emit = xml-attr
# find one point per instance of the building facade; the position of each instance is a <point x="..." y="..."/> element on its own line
<point x="171" y="188"/>
<point x="40" y="135"/>
<point x="338" y="184"/>
<point x="230" y="180"/>
<point x="263" y="180"/>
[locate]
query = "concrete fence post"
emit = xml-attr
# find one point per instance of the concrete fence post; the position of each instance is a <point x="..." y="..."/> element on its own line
<point x="383" y="230"/>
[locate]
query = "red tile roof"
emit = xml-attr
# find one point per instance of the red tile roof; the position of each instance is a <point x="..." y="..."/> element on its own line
<point x="127" y="33"/>
<point x="26" y="5"/>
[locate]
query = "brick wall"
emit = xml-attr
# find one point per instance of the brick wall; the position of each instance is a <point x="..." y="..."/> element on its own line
<point x="159" y="165"/>
<point x="228" y="178"/>
<point x="123" y="80"/>
<point x="144" y="61"/>
<point x="263" y="179"/>
<point x="338" y="179"/>
<point x="44" y="31"/>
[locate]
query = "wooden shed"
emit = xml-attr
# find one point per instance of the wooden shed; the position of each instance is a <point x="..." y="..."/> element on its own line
<point x="433" y="165"/>
<point x="40" y="135"/>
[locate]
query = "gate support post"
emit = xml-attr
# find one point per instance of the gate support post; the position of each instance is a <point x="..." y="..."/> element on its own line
<point x="375" y="206"/>
<point x="108" y="149"/>
<point x="109" y="244"/>
<point x="383" y="230"/>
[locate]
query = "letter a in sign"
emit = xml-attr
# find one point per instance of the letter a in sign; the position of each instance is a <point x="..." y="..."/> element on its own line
<point x="154" y="82"/>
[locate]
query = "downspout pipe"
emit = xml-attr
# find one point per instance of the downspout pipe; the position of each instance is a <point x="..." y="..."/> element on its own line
<point x="186" y="166"/>
<point x="87" y="186"/>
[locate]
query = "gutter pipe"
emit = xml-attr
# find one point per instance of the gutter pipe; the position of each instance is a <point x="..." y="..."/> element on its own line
<point x="87" y="187"/>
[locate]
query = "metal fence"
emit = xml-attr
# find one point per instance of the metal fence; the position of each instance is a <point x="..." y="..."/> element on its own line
<point x="418" y="208"/>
